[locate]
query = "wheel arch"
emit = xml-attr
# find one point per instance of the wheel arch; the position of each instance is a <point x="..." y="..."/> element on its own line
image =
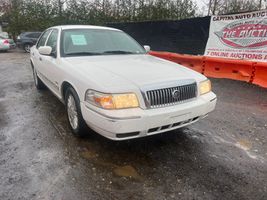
<point x="25" y="43"/>
<point x="64" y="86"/>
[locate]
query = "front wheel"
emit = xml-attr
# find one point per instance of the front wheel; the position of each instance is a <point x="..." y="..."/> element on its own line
<point x="75" y="119"/>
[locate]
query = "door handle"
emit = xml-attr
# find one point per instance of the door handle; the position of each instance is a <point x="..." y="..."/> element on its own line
<point x="40" y="59"/>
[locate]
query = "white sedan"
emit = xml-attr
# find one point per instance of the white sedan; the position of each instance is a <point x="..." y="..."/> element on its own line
<point x="110" y="83"/>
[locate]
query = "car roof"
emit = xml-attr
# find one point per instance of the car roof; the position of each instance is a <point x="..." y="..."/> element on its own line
<point x="64" y="27"/>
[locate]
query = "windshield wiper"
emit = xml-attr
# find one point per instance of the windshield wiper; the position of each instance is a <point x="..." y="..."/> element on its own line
<point x="82" y="54"/>
<point x="118" y="52"/>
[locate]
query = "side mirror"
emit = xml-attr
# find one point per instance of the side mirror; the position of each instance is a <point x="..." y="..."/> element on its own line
<point x="147" y="48"/>
<point x="45" y="50"/>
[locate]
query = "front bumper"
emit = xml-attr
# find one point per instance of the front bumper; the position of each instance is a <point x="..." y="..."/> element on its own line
<point x="133" y="123"/>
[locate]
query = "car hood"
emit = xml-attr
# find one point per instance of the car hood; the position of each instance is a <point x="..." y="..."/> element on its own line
<point x="139" y="70"/>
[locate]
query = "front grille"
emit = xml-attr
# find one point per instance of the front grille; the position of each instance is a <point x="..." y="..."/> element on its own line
<point x="170" y="96"/>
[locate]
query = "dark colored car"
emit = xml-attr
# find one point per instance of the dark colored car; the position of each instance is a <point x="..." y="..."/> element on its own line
<point x="27" y="39"/>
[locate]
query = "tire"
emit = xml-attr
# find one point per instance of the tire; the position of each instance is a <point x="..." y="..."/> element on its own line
<point x="74" y="114"/>
<point x="27" y="47"/>
<point x="37" y="81"/>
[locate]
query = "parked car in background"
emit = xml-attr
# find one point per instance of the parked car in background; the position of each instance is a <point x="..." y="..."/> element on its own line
<point x="109" y="81"/>
<point x="27" y="39"/>
<point x="5" y="42"/>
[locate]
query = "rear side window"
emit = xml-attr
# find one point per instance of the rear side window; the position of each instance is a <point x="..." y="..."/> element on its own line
<point x="36" y="35"/>
<point x="30" y="35"/>
<point x="33" y="35"/>
<point x="43" y="38"/>
<point x="52" y="40"/>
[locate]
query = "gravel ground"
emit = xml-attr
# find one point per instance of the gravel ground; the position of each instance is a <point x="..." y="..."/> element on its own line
<point x="221" y="157"/>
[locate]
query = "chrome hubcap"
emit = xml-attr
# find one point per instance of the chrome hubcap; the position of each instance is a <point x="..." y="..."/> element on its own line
<point x="72" y="112"/>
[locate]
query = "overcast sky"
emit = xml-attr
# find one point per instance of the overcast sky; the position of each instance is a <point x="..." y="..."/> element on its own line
<point x="202" y="4"/>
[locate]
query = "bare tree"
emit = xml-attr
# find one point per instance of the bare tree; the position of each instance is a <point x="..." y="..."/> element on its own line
<point x="233" y="6"/>
<point x="39" y="14"/>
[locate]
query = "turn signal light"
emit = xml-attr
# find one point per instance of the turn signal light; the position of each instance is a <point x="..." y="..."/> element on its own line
<point x="205" y="87"/>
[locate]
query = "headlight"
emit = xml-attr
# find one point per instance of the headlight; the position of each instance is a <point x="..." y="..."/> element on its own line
<point x="111" y="101"/>
<point x="205" y="87"/>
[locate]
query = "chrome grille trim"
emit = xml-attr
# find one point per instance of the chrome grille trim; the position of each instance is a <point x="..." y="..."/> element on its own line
<point x="161" y="97"/>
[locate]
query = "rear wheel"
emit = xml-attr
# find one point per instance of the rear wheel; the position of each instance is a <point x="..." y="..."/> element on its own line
<point x="75" y="119"/>
<point x="37" y="81"/>
<point x="27" y="48"/>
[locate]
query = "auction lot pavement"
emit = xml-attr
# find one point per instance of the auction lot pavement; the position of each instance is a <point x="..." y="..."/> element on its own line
<point x="221" y="157"/>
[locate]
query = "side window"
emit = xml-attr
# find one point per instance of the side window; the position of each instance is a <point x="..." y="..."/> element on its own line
<point x="43" y="38"/>
<point x="52" y="40"/>
<point x="30" y="35"/>
<point x="36" y="35"/>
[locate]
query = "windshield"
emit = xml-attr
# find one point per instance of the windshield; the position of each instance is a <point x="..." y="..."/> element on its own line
<point x="3" y="35"/>
<point x="83" y="42"/>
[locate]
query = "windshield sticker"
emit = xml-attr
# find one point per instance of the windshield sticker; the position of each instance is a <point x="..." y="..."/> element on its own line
<point x="78" y="40"/>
